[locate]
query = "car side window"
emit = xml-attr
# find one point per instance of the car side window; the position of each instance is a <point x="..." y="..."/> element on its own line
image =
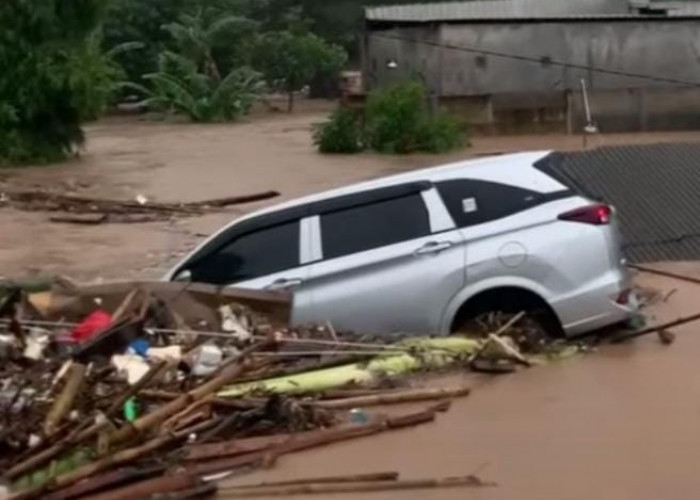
<point x="475" y="202"/>
<point x="252" y="255"/>
<point x="374" y="225"/>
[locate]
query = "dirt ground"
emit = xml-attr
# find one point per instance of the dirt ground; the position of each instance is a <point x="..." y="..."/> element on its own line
<point x="125" y="157"/>
<point x="620" y="423"/>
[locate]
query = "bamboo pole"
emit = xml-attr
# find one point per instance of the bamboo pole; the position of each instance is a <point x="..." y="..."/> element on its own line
<point x="349" y="393"/>
<point x="509" y="324"/>
<point x="34" y="461"/>
<point x="230" y="403"/>
<point x="313" y="439"/>
<point x="205" y="490"/>
<point x="152" y="374"/>
<point x="149" y="488"/>
<point x="235" y="447"/>
<point x="269" y="455"/>
<point x="391" y="398"/>
<point x="159" y="415"/>
<point x="320" y="489"/>
<point x="411" y="419"/>
<point x="657" y="328"/>
<point x="120" y="458"/>
<point x="83" y="433"/>
<point x="100" y="482"/>
<point x="353" y="478"/>
<point x="146" y="422"/>
<point x="223" y="335"/>
<point x="65" y="400"/>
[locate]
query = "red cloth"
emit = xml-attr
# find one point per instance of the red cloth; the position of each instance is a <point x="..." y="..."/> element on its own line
<point x="91" y="326"/>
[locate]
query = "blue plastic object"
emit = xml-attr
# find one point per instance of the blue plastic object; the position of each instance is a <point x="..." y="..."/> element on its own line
<point x="140" y="347"/>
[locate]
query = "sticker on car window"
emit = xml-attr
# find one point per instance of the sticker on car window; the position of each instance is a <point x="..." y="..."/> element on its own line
<point x="469" y="205"/>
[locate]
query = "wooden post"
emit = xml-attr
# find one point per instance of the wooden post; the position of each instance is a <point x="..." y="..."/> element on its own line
<point x="64" y="402"/>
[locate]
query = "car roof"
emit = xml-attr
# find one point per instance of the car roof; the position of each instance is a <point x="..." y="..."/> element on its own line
<point x="511" y="169"/>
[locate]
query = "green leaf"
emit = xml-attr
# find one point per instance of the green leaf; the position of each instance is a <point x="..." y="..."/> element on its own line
<point x="123" y="48"/>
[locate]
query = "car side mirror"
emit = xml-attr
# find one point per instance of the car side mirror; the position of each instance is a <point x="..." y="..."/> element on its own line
<point x="184" y="276"/>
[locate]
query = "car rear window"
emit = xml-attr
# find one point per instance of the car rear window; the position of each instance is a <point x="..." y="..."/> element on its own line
<point x="472" y="202"/>
<point x="553" y="165"/>
<point x="374" y="225"/>
<point x="252" y="255"/>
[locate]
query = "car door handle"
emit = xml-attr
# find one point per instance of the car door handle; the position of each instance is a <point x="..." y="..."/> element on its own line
<point x="433" y="247"/>
<point x="284" y="284"/>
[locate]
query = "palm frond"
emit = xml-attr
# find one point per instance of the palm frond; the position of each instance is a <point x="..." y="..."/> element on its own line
<point x="225" y="26"/>
<point x="136" y="87"/>
<point x="175" y="92"/>
<point x="123" y="48"/>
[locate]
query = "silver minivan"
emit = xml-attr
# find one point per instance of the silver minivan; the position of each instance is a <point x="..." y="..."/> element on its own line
<point x="429" y="250"/>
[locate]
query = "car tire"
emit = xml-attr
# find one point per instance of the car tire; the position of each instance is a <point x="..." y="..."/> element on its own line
<point x="531" y="332"/>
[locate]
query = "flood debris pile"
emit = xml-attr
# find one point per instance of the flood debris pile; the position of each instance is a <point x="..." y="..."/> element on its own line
<point x="130" y="390"/>
<point x="73" y="209"/>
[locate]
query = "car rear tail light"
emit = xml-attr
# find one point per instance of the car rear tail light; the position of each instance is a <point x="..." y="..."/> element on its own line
<point x="598" y="215"/>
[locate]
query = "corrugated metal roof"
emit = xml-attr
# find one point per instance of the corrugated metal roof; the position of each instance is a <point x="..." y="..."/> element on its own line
<point x="476" y="10"/>
<point x="483" y="9"/>
<point x="654" y="189"/>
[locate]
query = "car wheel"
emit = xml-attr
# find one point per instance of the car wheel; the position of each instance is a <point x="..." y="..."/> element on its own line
<point x="529" y="332"/>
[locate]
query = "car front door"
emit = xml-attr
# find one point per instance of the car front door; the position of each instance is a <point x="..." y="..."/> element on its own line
<point x="264" y="258"/>
<point x="391" y="265"/>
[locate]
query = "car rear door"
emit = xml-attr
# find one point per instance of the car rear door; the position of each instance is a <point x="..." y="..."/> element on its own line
<point x="265" y="257"/>
<point x="389" y="265"/>
<point x="508" y="233"/>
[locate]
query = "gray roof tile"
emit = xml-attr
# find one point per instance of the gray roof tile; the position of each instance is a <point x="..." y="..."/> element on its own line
<point x="654" y="188"/>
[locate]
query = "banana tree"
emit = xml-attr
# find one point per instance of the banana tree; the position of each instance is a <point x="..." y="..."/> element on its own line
<point x="180" y="89"/>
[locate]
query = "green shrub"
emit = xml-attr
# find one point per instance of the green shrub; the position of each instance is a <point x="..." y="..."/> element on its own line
<point x="441" y="134"/>
<point x="395" y="117"/>
<point x="342" y="133"/>
<point x="397" y="121"/>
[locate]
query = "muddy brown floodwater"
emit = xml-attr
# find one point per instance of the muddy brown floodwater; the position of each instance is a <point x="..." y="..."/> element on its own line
<point x="622" y="423"/>
<point x="125" y="157"/>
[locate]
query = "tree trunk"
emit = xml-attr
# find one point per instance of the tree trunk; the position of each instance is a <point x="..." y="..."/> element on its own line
<point x="211" y="67"/>
<point x="290" y="101"/>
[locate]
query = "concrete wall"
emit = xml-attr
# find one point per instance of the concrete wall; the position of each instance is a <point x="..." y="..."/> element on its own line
<point x="414" y="60"/>
<point x="507" y="94"/>
<point x="615" y="110"/>
<point x="668" y="49"/>
<point x="636" y="110"/>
